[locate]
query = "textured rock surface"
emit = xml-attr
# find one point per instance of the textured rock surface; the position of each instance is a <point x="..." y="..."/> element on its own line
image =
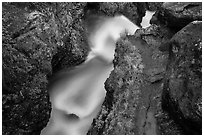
<point x="133" y="11"/>
<point x="143" y="96"/>
<point x="150" y="92"/>
<point x="182" y="95"/>
<point x="38" y="39"/>
<point x="177" y="15"/>
<point x="153" y="6"/>
<point x="134" y="88"/>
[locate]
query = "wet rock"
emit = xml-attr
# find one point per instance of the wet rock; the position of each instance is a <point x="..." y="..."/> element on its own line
<point x="133" y="11"/>
<point x="163" y="95"/>
<point x="177" y="15"/>
<point x="182" y="93"/>
<point x="75" y="46"/>
<point x="154" y="6"/>
<point x="118" y="114"/>
<point x="38" y="39"/>
<point x="133" y="102"/>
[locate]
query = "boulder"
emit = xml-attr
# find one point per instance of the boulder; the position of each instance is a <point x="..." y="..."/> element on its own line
<point x="182" y="93"/>
<point x="132" y="10"/>
<point x="134" y="89"/>
<point x="155" y="87"/>
<point x="38" y="40"/>
<point x="154" y="6"/>
<point x="150" y="92"/>
<point x="177" y="15"/>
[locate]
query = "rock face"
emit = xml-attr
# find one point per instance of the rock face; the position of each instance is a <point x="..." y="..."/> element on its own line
<point x="133" y="11"/>
<point x="134" y="88"/>
<point x="155" y="87"/>
<point x="177" y="15"/>
<point x="38" y="40"/>
<point x="182" y="94"/>
<point x="153" y="6"/>
<point x="154" y="92"/>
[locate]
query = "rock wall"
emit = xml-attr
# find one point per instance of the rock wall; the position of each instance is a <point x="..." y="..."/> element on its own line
<point x="134" y="88"/>
<point x="38" y="40"/>
<point x="155" y="87"/>
<point x="177" y="15"/>
<point x="182" y="93"/>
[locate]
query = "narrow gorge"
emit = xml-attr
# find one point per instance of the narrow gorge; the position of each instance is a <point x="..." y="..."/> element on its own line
<point x="102" y="68"/>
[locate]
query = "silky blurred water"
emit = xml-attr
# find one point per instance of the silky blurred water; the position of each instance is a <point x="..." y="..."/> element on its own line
<point x="146" y="19"/>
<point x="77" y="99"/>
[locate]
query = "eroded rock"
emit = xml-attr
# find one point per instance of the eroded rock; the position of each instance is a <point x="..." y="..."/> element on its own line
<point x="132" y="10"/>
<point x="154" y="6"/>
<point x="165" y="96"/>
<point x="133" y="101"/>
<point x="177" y="15"/>
<point x="182" y="93"/>
<point x="34" y="37"/>
<point x="38" y="40"/>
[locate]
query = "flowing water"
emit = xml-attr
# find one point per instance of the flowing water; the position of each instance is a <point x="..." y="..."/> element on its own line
<point x="77" y="99"/>
<point x="146" y="19"/>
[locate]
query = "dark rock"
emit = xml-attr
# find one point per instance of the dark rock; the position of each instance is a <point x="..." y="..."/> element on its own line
<point x="152" y="99"/>
<point x="75" y="46"/>
<point x="133" y="11"/>
<point x="154" y="6"/>
<point x="177" y="15"/>
<point x="38" y="39"/>
<point x="182" y="94"/>
<point x="118" y="114"/>
<point x="133" y="102"/>
<point x="154" y="77"/>
<point x="41" y="39"/>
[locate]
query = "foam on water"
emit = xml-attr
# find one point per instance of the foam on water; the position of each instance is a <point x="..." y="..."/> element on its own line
<point x="78" y="99"/>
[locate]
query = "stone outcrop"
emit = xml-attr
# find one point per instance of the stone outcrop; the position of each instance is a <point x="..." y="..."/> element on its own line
<point x="177" y="15"/>
<point x="182" y="93"/>
<point x="155" y="87"/>
<point x="134" y="88"/>
<point x="132" y="10"/>
<point x="38" y="40"/>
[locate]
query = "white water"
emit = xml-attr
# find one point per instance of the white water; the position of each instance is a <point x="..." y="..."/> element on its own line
<point x="83" y="93"/>
<point x="146" y="19"/>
